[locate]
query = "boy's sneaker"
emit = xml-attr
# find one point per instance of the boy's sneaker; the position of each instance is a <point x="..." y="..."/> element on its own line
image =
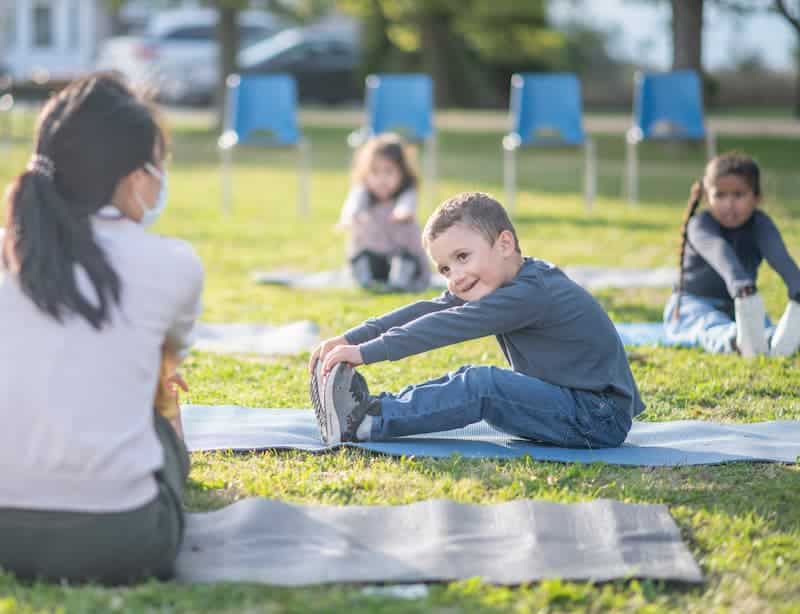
<point x="345" y="403"/>
<point x="316" y="398"/>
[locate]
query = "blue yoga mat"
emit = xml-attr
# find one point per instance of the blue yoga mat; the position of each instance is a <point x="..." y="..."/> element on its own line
<point x="642" y="333"/>
<point x="680" y="442"/>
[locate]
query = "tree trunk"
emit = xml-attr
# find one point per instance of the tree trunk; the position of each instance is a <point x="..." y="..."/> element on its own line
<point x="228" y="37"/>
<point x="435" y="29"/>
<point x="687" y="35"/>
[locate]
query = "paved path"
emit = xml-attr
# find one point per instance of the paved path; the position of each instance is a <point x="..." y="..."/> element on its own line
<point x="497" y="121"/>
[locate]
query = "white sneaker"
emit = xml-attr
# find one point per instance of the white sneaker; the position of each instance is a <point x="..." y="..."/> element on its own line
<point x="786" y="339"/>
<point x="751" y="336"/>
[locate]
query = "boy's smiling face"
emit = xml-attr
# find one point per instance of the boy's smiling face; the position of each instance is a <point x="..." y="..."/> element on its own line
<point x="472" y="266"/>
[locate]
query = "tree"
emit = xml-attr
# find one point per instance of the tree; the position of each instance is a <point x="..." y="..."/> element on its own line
<point x="228" y="39"/>
<point x="468" y="47"/>
<point x="782" y="7"/>
<point x="687" y="35"/>
<point x="790" y="12"/>
<point x="228" y="34"/>
<point x="686" y="27"/>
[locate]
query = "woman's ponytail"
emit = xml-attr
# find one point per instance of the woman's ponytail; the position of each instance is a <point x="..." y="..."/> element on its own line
<point x="52" y="247"/>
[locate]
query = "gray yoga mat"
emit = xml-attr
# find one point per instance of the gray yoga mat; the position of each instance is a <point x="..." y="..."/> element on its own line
<point x="588" y="276"/>
<point x="679" y="442"/>
<point x="290" y="338"/>
<point x="260" y="540"/>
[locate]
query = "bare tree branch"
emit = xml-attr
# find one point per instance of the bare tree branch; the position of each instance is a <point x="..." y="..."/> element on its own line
<point x="780" y="6"/>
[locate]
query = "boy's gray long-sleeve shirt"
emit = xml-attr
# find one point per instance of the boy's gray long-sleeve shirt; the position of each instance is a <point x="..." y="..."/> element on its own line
<point x="547" y="326"/>
<point x="718" y="261"/>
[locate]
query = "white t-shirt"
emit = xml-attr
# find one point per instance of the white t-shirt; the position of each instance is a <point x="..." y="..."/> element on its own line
<point x="76" y="404"/>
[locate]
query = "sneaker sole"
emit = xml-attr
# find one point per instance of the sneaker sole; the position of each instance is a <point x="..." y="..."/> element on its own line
<point x="334" y="430"/>
<point x="316" y="401"/>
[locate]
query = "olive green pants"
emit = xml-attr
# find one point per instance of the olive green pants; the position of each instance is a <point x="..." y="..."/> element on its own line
<point x="109" y="548"/>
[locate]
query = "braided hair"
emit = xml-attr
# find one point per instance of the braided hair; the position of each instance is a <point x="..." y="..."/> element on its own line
<point x="695" y="198"/>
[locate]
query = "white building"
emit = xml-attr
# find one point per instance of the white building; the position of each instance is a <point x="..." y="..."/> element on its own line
<point x="51" y="38"/>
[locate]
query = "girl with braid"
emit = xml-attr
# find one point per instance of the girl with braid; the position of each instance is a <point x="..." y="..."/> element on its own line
<point x="716" y="303"/>
<point x="96" y="314"/>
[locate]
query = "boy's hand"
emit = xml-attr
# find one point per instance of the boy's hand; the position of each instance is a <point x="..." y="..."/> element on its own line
<point x="342" y="353"/>
<point x="322" y="350"/>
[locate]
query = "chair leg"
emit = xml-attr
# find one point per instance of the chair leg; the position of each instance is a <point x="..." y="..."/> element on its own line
<point x="510" y="176"/>
<point x="590" y="173"/>
<point x="304" y="188"/>
<point x="632" y="171"/>
<point x="226" y="156"/>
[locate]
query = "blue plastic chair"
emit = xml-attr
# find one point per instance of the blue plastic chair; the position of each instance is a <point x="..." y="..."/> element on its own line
<point x="666" y="107"/>
<point x="401" y="103"/>
<point x="261" y="110"/>
<point x="546" y="111"/>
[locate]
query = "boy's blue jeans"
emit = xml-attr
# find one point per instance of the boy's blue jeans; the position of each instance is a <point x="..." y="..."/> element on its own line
<point x="514" y="403"/>
<point x="703" y="321"/>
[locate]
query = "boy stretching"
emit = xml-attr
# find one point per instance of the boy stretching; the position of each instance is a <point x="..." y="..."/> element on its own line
<point x="569" y="383"/>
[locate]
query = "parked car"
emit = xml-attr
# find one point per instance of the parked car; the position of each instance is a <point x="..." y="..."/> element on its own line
<point x="323" y="60"/>
<point x="175" y="40"/>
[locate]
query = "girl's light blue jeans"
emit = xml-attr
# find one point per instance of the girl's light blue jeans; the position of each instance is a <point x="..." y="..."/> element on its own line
<point x="703" y="321"/>
<point x="511" y="402"/>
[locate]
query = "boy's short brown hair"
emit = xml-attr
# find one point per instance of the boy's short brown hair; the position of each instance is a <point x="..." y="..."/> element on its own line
<point x="477" y="210"/>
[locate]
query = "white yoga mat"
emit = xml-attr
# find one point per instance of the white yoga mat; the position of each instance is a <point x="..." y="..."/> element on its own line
<point x="291" y="338"/>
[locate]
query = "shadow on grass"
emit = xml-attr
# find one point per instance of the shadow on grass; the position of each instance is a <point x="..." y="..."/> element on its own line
<point x="633" y="304"/>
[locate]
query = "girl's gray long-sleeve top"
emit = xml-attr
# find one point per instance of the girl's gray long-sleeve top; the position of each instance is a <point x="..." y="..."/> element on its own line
<point x="548" y="327"/>
<point x="718" y="262"/>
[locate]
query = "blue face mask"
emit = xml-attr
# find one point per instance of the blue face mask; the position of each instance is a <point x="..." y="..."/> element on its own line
<point x="150" y="214"/>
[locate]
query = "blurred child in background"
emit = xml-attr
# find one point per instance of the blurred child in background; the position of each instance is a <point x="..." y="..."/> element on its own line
<point x="385" y="247"/>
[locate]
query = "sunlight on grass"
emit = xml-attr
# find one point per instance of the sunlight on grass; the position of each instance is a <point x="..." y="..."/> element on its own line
<point x="740" y="521"/>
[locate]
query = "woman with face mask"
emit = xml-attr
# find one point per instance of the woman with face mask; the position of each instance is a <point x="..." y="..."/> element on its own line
<point x="95" y="314"/>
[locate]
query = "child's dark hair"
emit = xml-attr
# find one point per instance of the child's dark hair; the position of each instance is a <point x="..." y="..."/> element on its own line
<point x="89" y="136"/>
<point x="477" y="210"/>
<point x="392" y="147"/>
<point x="731" y="163"/>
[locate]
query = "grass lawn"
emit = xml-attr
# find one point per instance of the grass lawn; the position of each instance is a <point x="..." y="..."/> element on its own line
<point x="741" y="521"/>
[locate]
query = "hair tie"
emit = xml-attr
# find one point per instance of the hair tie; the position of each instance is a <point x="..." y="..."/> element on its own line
<point x="41" y="165"/>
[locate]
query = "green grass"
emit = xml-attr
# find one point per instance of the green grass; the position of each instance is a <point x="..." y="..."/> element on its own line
<point x="742" y="522"/>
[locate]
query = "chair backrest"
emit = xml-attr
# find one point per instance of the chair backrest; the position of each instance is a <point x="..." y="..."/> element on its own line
<point x="401" y="103"/>
<point x="669" y="105"/>
<point x="546" y="109"/>
<point x="262" y="109"/>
